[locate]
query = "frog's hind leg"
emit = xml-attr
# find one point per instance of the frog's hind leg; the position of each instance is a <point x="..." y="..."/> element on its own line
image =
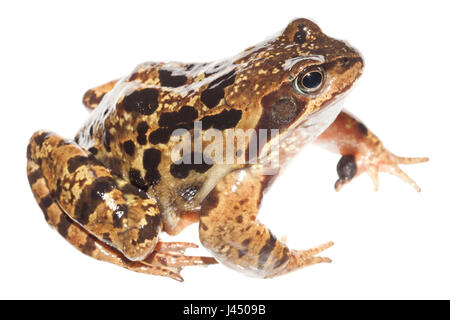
<point x="122" y="216"/>
<point x="362" y="151"/>
<point x="93" y="96"/>
<point x="100" y="215"/>
<point x="79" y="237"/>
<point x="229" y="229"/>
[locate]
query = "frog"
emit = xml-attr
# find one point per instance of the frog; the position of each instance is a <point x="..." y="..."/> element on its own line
<point x="114" y="189"/>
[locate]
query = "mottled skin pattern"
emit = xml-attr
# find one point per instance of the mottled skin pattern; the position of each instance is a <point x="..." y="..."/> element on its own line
<point x="114" y="188"/>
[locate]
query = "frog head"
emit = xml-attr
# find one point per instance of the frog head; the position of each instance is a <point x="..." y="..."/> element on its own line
<point x="293" y="83"/>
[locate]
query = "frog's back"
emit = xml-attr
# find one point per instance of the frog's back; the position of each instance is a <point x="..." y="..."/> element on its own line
<point x="130" y="131"/>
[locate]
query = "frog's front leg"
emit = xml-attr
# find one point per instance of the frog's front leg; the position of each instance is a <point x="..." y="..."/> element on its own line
<point x="229" y="229"/>
<point x="103" y="216"/>
<point x="361" y="151"/>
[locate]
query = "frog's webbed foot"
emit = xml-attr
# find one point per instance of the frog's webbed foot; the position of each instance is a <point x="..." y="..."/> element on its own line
<point x="169" y="257"/>
<point x="372" y="163"/>
<point x="303" y="258"/>
<point x="361" y="151"/>
<point x="171" y="254"/>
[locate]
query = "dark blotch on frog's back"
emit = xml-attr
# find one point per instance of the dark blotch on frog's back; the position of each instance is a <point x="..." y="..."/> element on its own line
<point x="129" y="147"/>
<point x="151" y="160"/>
<point x="136" y="179"/>
<point x="160" y="135"/>
<point x="225" y="120"/>
<point x="189" y="163"/>
<point x="143" y="101"/>
<point x="167" y="79"/>
<point x="142" y="128"/>
<point x="186" y="114"/>
<point x="170" y="121"/>
<point x="215" y="91"/>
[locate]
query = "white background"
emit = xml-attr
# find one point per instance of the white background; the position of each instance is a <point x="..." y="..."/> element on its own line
<point x="390" y="244"/>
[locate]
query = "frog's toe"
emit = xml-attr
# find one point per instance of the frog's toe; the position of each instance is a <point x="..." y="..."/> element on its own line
<point x="171" y="255"/>
<point x="395" y="170"/>
<point x="314" y="251"/>
<point x="388" y="162"/>
<point x="406" y="160"/>
<point x="303" y="258"/>
<point x="177" y="260"/>
<point x="174" y="247"/>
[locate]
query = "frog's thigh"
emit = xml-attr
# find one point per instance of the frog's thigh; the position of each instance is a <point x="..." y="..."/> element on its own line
<point x="361" y="151"/>
<point x="121" y="216"/>
<point x="229" y="229"/>
<point x="79" y="237"/>
<point x="93" y="96"/>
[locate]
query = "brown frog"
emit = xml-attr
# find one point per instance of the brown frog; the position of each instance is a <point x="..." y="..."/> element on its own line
<point x="124" y="178"/>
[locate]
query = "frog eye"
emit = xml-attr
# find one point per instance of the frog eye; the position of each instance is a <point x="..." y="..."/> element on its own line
<point x="309" y="81"/>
